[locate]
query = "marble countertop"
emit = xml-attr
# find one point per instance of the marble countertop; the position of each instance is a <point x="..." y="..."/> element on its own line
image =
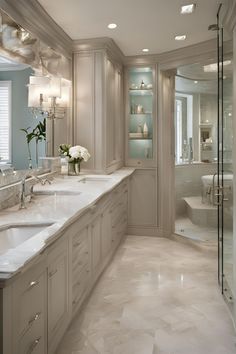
<point x="57" y="209"/>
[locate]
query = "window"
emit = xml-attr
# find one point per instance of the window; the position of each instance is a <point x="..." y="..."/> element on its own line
<point x="5" y="121"/>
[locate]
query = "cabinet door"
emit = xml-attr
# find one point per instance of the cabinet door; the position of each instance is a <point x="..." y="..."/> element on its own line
<point x="143" y="198"/>
<point x="114" y="116"/>
<point x="57" y="294"/>
<point x="29" y="311"/>
<point x="106" y="232"/>
<point x="96" y="245"/>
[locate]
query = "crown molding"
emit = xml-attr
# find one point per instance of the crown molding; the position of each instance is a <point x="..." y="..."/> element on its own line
<point x="229" y="20"/>
<point x="172" y="59"/>
<point x="32" y="16"/>
<point x="103" y="43"/>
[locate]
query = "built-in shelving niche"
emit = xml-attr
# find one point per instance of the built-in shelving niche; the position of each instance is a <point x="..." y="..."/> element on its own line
<point x="140" y="120"/>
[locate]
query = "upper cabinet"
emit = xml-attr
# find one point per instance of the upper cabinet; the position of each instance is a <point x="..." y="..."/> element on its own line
<point x="140" y="116"/>
<point x="98" y="110"/>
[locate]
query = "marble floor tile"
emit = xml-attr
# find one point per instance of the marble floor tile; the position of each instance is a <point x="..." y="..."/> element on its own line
<point x="157" y="296"/>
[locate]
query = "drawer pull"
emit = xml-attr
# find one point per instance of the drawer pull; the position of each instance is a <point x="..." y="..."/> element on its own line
<point x="35" y="318"/>
<point x="32" y="284"/>
<point x="33" y="345"/>
<point x="52" y="273"/>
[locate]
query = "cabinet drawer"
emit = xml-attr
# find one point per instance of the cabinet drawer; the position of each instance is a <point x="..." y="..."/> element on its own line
<point x="80" y="261"/>
<point x="119" y="229"/>
<point x="78" y="242"/>
<point x="118" y="209"/>
<point x="80" y="285"/>
<point x="30" y="299"/>
<point x="80" y="250"/>
<point x="33" y="341"/>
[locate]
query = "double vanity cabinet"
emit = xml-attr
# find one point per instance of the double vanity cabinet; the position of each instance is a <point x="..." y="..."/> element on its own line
<point x="39" y="302"/>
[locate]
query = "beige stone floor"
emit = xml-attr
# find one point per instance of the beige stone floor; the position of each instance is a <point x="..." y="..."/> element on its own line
<point x="156" y="297"/>
<point x="207" y="236"/>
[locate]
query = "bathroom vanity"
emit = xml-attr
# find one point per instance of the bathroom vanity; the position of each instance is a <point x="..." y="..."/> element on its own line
<point x="45" y="279"/>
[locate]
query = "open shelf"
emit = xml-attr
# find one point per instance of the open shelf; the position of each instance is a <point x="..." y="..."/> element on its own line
<point x="141" y="92"/>
<point x="130" y="138"/>
<point x="140" y="113"/>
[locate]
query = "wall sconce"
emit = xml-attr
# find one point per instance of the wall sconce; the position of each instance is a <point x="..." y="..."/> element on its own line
<point x="48" y="96"/>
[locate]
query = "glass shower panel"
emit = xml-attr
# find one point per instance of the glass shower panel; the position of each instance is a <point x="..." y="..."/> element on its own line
<point x="227" y="167"/>
<point x="224" y="188"/>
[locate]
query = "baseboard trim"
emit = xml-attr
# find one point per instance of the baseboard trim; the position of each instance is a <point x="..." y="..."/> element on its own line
<point x="144" y="231"/>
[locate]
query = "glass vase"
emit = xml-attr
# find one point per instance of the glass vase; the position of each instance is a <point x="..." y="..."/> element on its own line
<point x="73" y="168"/>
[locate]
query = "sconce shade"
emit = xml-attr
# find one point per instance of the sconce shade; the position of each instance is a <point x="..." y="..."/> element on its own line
<point x="64" y="100"/>
<point x="55" y="87"/>
<point x="39" y="80"/>
<point x="38" y="88"/>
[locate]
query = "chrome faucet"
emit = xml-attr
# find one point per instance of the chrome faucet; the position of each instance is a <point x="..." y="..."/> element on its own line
<point x="42" y="181"/>
<point x="22" y="195"/>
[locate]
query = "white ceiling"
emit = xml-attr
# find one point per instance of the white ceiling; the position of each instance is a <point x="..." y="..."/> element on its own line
<point x="141" y="23"/>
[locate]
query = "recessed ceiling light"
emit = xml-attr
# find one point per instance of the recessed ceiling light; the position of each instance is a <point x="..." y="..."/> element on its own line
<point x="145" y="50"/>
<point x="112" y="25"/>
<point x="180" y="37"/>
<point x="187" y="9"/>
<point x="196" y="82"/>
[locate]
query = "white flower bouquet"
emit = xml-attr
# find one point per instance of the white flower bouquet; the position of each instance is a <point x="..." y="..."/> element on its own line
<point x="76" y="154"/>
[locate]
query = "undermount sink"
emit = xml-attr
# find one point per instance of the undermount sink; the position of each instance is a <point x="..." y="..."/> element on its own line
<point x="96" y="179"/>
<point x="56" y="192"/>
<point x="12" y="236"/>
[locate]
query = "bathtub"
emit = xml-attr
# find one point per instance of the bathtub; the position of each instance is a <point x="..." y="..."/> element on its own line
<point x="208" y="180"/>
<point x="209" y="183"/>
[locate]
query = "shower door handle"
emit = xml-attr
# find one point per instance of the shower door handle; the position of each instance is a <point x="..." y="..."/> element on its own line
<point x="218" y="196"/>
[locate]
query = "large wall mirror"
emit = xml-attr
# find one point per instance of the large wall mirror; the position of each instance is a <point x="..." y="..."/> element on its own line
<point x="16" y="118"/>
<point x="196" y="113"/>
<point x="35" y="100"/>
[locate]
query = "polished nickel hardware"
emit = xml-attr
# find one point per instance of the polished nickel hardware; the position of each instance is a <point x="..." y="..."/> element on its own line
<point x="32" y="284"/>
<point x="22" y="195"/>
<point x="33" y="345"/>
<point x="36" y="317"/>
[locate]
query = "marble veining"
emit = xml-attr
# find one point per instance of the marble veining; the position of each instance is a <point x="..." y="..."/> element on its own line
<point x="157" y="296"/>
<point x="56" y="209"/>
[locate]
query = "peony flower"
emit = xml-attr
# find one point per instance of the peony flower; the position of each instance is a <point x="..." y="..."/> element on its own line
<point x="79" y="153"/>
